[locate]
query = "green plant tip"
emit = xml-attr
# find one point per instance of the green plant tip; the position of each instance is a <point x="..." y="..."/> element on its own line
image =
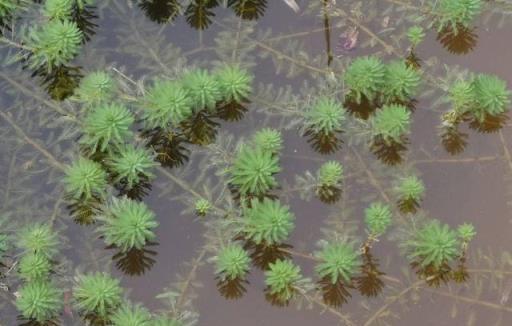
<point x="282" y="278"/>
<point x="232" y="262"/>
<point x="415" y="34"/>
<point x="107" y="125"/>
<point x="34" y="267"/>
<point x="378" y="218"/>
<point x="401" y="82"/>
<point x="131" y="315"/>
<point x="391" y="122"/>
<point x="268" y="139"/>
<point x="166" y="105"/>
<point x="96" y="87"/>
<point x="330" y="174"/>
<point x="339" y="262"/>
<point x="466" y="232"/>
<point x="85" y="179"/>
<point x="202" y="207"/>
<point x="203" y="89"/>
<point x="268" y="222"/>
<point x="492" y="96"/>
<point x="461" y="95"/>
<point x="38" y="238"/>
<point x="253" y="171"/>
<point x="410" y="188"/>
<point x="58" y="9"/>
<point x="132" y="164"/>
<point x="326" y="116"/>
<point x="128" y="224"/>
<point x="39" y="300"/>
<point x="365" y="77"/>
<point x="434" y="245"/>
<point x="457" y="14"/>
<point x="235" y="83"/>
<point x="7" y="7"/>
<point x="98" y="294"/>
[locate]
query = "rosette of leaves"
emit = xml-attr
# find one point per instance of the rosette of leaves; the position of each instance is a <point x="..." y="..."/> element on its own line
<point x="400" y="82"/>
<point x="492" y="97"/>
<point x="97" y="294"/>
<point x="166" y="104"/>
<point x="203" y="89"/>
<point x="365" y="77"/>
<point x="268" y="140"/>
<point x="461" y="96"/>
<point x="378" y="218"/>
<point x="107" y="125"/>
<point x="40" y="301"/>
<point x="85" y="179"/>
<point x="34" y="267"/>
<point x="202" y="207"/>
<point x="232" y="262"/>
<point x="329" y="179"/>
<point x="325" y="117"/>
<point x="410" y="191"/>
<point x="96" y="87"/>
<point x="339" y="262"/>
<point x="53" y="44"/>
<point x="38" y="238"/>
<point x="456" y="14"/>
<point x="131" y="315"/>
<point x="128" y="224"/>
<point x="253" y="169"/>
<point x="415" y="34"/>
<point x="132" y="165"/>
<point x="234" y="83"/>
<point x="391" y="123"/>
<point x="58" y="9"/>
<point x="466" y="232"/>
<point x="282" y="278"/>
<point x="268" y="222"/>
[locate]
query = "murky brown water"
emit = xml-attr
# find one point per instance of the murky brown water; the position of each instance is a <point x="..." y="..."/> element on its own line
<point x="473" y="186"/>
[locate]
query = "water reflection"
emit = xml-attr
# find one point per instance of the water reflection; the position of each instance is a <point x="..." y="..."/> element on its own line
<point x="336" y="294"/>
<point x="232" y="289"/>
<point x="201" y="129"/>
<point x="231" y="111"/>
<point x="453" y="140"/>
<point x="461" y="42"/>
<point x="362" y="110"/>
<point x="369" y="282"/>
<point x="135" y="262"/>
<point x="490" y="124"/>
<point x="323" y="143"/>
<point x="160" y="11"/>
<point x="389" y="152"/>
<point x="83" y="211"/>
<point x="168" y="145"/>
<point x="263" y="255"/>
<point x="25" y="322"/>
<point x="433" y="275"/>
<point x="137" y="191"/>
<point x="60" y="82"/>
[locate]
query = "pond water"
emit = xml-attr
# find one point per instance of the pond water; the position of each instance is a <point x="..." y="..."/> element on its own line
<point x="282" y="49"/>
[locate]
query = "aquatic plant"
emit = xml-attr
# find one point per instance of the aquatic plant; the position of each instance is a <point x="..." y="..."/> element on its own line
<point x="234" y="83"/>
<point x="131" y="315"/>
<point x="38" y="238"/>
<point x="466" y="232"/>
<point x="329" y="178"/>
<point x="34" y="267"/>
<point x="268" y="222"/>
<point x="410" y="191"/>
<point x="85" y="179"/>
<point x="164" y="321"/>
<point x="202" y="206"/>
<point x="391" y="122"/>
<point x="53" y="44"/>
<point x="365" y="77"/>
<point x="456" y="14"/>
<point x="131" y="165"/>
<point x="96" y="87"/>
<point x="97" y="293"/>
<point x="106" y="125"/>
<point x="203" y="89"/>
<point x="326" y="116"/>
<point x="339" y="262"/>
<point x="415" y="34"/>
<point x="232" y="262"/>
<point x="127" y="224"/>
<point x="7" y="7"/>
<point x="461" y="96"/>
<point x="166" y="104"/>
<point x="281" y="278"/>
<point x="268" y="140"/>
<point x="378" y="218"/>
<point x="492" y="96"/>
<point x="39" y="300"/>
<point x="253" y="170"/>
<point x="400" y="82"/>
<point x="58" y="9"/>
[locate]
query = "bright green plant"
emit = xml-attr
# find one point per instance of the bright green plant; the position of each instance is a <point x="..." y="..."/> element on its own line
<point x="400" y="82"/>
<point x="96" y="87"/>
<point x="339" y="262"/>
<point x="7" y="7"/>
<point x="330" y="174"/>
<point x="415" y="34"/>
<point x="253" y="170"/>
<point x="466" y="232"/>
<point x="131" y="165"/>
<point x="391" y="122"/>
<point x="232" y="262"/>
<point x="97" y="294"/>
<point x="456" y="14"/>
<point x="378" y="218"/>
<point x="38" y="238"/>
<point x="365" y="77"/>
<point x="53" y="44"/>
<point x="34" y="267"/>
<point x="492" y="96"/>
<point x="282" y="278"/>
<point x="131" y="315"/>
<point x="107" y="125"/>
<point x="235" y="84"/>
<point x="325" y="117"/>
<point x="269" y="140"/>
<point x="166" y="104"/>
<point x="461" y="96"/>
<point x="85" y="179"/>
<point x="202" y="206"/>
<point x="58" y="9"/>
<point x="268" y="222"/>
<point x="203" y="89"/>
<point x="128" y="224"/>
<point x="39" y="300"/>
<point x="410" y="191"/>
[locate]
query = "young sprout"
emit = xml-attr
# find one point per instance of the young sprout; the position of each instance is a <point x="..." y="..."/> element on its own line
<point x="461" y="95"/>
<point x="391" y="123"/>
<point x="38" y="238"/>
<point x="96" y="87"/>
<point x="401" y="82"/>
<point x="378" y="218"/>
<point x="282" y="278"/>
<point x="34" y="267"/>
<point x="492" y="96"/>
<point x="364" y="77"/>
<point x="203" y="89"/>
<point x="85" y="179"/>
<point x="268" y="140"/>
<point x="58" y="9"/>
<point x="339" y="263"/>
<point x="329" y="180"/>
<point x="457" y="14"/>
<point x="128" y="224"/>
<point x="268" y="222"/>
<point x="415" y="34"/>
<point x="466" y="232"/>
<point x="131" y="165"/>
<point x="131" y="315"/>
<point x="39" y="300"/>
<point x="97" y="294"/>
<point x="202" y="207"/>
<point x="232" y="262"/>
<point x="235" y="83"/>
<point x="410" y="191"/>
<point x="253" y="171"/>
<point x="166" y="104"/>
<point x="325" y="117"/>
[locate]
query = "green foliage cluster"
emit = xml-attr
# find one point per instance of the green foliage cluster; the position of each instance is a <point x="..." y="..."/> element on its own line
<point x="95" y="88"/>
<point x="131" y="315"/>
<point x="329" y="179"/>
<point x="97" y="294"/>
<point x="232" y="262"/>
<point x="7" y="7"/>
<point x="85" y="179"/>
<point x="378" y="218"/>
<point x="456" y="14"/>
<point x="281" y="279"/>
<point x="325" y="116"/>
<point x="339" y="262"/>
<point x="268" y="140"/>
<point x="391" y="123"/>
<point x="131" y="165"/>
<point x="415" y="34"/>
<point x="40" y="301"/>
<point x="58" y="9"/>
<point x="202" y="206"/>
<point x="410" y="191"/>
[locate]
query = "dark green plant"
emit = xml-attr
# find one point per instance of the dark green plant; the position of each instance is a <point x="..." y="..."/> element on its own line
<point x="97" y="294"/>
<point x="202" y="207"/>
<point x="415" y="34"/>
<point x="203" y="89"/>
<point x="127" y="224"/>
<point x="232" y="262"/>
<point x="96" y="87"/>
<point x="325" y="117"/>
<point x="131" y="315"/>
<point x="268" y="140"/>
<point x="85" y="179"/>
<point x="39" y="300"/>
<point x="7" y="7"/>
<point x="400" y="82"/>
<point x="268" y="222"/>
<point x="410" y="191"/>
<point x="38" y="238"/>
<point x="365" y="77"/>
<point x="34" y="267"/>
<point x="391" y="123"/>
<point x="456" y="14"/>
<point x="132" y="165"/>
<point x="282" y="278"/>
<point x="58" y="9"/>
<point x="339" y="262"/>
<point x="378" y="218"/>
<point x="492" y="96"/>
<point x="235" y="83"/>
